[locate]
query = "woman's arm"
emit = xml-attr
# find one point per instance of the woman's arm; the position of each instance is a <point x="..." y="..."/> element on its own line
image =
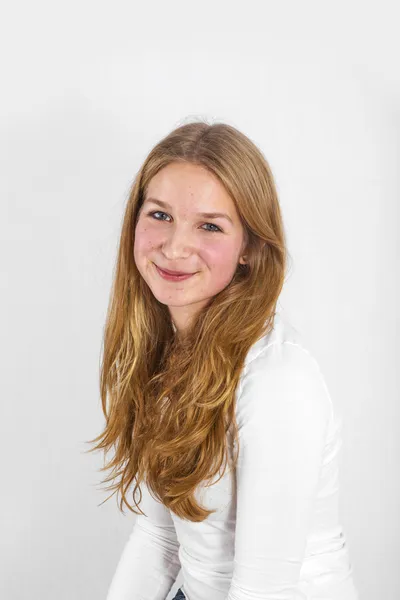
<point x="149" y="564"/>
<point x="283" y="413"/>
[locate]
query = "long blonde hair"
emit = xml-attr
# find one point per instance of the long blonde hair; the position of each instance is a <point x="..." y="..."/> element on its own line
<point x="145" y="366"/>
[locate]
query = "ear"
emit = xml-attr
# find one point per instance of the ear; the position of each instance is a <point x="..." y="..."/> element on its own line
<point x="243" y="257"/>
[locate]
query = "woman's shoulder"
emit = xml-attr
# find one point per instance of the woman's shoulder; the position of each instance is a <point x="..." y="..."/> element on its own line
<point x="282" y="332"/>
<point x="280" y="371"/>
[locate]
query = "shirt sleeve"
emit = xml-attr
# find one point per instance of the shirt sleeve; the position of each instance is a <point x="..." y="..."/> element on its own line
<point x="283" y="413"/>
<point x="149" y="564"/>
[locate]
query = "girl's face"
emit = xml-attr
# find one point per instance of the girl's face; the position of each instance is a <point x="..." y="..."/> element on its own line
<point x="172" y="233"/>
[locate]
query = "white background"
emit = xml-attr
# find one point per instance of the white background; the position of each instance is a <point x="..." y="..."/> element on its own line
<point x="86" y="90"/>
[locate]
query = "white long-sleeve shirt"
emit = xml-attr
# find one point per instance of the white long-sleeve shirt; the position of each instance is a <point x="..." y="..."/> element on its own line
<point x="276" y="534"/>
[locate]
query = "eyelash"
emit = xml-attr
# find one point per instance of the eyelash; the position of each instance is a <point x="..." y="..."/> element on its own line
<point x="152" y="213"/>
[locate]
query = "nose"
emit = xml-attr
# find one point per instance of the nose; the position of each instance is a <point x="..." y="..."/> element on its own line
<point x="177" y="243"/>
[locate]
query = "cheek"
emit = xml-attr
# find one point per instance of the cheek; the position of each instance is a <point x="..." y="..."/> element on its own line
<point x="220" y="258"/>
<point x="145" y="240"/>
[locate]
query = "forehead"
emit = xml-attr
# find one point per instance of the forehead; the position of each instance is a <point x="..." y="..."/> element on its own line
<point x="191" y="185"/>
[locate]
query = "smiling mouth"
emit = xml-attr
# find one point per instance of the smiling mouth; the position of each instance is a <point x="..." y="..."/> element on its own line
<point x="171" y="276"/>
<point x="177" y="273"/>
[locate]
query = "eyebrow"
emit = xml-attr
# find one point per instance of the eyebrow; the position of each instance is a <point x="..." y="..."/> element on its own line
<point x="204" y="215"/>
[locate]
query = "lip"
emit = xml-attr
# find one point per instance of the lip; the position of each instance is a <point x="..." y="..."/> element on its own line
<point x="174" y="272"/>
<point x="171" y="276"/>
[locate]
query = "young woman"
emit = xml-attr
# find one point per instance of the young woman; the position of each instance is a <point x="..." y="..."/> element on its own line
<point x="215" y="409"/>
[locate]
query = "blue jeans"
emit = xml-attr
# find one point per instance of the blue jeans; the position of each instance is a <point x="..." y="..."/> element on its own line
<point x="179" y="595"/>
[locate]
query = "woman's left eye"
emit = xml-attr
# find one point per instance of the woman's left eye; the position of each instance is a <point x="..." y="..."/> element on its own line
<point x="154" y="212"/>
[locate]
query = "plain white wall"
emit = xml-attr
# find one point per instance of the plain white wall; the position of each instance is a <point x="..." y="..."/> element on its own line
<point x="86" y="90"/>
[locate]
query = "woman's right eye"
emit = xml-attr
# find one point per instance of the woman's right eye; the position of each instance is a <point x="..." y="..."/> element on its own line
<point x="151" y="214"/>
